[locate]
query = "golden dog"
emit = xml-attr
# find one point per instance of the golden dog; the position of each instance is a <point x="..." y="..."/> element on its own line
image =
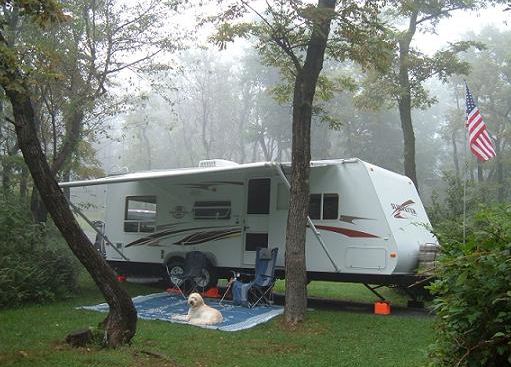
<point x="200" y="313"/>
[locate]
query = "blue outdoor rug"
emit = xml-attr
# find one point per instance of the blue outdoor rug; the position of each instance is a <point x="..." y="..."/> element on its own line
<point x="162" y="306"/>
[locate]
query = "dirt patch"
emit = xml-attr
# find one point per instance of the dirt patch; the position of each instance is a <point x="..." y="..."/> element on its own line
<point x="309" y="327"/>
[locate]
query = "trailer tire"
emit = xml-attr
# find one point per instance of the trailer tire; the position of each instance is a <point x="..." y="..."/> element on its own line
<point x="175" y="266"/>
<point x="209" y="278"/>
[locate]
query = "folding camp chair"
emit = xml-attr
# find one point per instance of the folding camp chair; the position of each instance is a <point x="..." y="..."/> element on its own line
<point x="194" y="276"/>
<point x="259" y="290"/>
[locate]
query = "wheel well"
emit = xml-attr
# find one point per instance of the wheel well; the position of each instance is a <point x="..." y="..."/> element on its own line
<point x="173" y="257"/>
<point x="181" y="256"/>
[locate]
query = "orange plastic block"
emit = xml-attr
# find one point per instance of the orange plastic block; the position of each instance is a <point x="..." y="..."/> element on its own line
<point x="212" y="293"/>
<point x="382" y="308"/>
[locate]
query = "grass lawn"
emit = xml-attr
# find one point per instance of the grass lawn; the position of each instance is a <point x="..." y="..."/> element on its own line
<point x="33" y="336"/>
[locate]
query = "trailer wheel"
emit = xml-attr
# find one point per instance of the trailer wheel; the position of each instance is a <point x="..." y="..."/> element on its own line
<point x="175" y="267"/>
<point x="208" y="279"/>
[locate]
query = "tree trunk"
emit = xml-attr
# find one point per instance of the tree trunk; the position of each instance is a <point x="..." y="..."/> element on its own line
<point x="500" y="171"/>
<point x="147" y="145"/>
<point x="73" y="124"/>
<point x="304" y="89"/>
<point x="24" y="184"/>
<point x="455" y="155"/>
<point x="37" y="207"/>
<point x="66" y="176"/>
<point x="480" y="174"/>
<point x="405" y="101"/>
<point x="264" y="148"/>
<point x="244" y="117"/>
<point x="8" y="166"/>
<point x="120" y="324"/>
<point x="6" y="175"/>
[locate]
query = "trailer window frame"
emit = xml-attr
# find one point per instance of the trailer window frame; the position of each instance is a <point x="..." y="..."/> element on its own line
<point x="315" y="206"/>
<point x="259" y="195"/>
<point x="140" y="225"/>
<point x="212" y="210"/>
<point x="318" y="210"/>
<point x="333" y="205"/>
<point x="253" y="240"/>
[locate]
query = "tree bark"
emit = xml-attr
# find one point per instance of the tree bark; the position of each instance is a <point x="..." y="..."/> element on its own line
<point x="37" y="207"/>
<point x="405" y="100"/>
<point x="73" y="125"/>
<point x="24" y="184"/>
<point x="455" y="155"/>
<point x="304" y="90"/>
<point x="500" y="171"/>
<point x="120" y="324"/>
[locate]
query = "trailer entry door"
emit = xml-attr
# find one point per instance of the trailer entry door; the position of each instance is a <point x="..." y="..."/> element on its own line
<point x="257" y="217"/>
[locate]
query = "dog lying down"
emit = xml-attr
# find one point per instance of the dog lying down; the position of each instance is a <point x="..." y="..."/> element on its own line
<point x="200" y="313"/>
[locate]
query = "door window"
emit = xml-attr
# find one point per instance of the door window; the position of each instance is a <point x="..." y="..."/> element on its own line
<point x="258" y="196"/>
<point x="255" y="240"/>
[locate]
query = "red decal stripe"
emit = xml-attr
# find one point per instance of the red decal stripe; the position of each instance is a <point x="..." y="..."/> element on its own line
<point x="348" y="232"/>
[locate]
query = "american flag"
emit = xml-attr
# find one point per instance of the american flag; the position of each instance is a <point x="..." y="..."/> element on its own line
<point x="479" y="140"/>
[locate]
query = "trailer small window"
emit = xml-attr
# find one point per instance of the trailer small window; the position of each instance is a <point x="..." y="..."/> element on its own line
<point x="323" y="206"/>
<point x="330" y="206"/>
<point x="212" y="210"/>
<point x="259" y="196"/>
<point x="255" y="240"/>
<point x="140" y="214"/>
<point x="315" y="206"/>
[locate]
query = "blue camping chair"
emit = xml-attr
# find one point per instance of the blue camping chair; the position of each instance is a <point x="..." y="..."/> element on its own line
<point x="259" y="290"/>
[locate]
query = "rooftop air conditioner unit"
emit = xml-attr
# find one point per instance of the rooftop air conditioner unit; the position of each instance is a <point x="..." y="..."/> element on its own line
<point x="207" y="163"/>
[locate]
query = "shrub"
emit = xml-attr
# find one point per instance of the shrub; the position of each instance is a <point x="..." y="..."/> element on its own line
<point x="33" y="267"/>
<point x="473" y="291"/>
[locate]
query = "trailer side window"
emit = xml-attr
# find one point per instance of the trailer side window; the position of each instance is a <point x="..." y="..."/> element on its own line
<point x="140" y="214"/>
<point x="330" y="206"/>
<point x="323" y="206"/>
<point x="212" y="210"/>
<point x="315" y="206"/>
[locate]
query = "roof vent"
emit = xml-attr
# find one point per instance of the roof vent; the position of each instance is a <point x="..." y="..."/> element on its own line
<point x="208" y="163"/>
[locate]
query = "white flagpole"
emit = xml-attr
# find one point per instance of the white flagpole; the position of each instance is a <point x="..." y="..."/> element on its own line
<point x="465" y="169"/>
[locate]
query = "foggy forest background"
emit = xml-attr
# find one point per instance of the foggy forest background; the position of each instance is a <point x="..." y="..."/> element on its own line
<point x="198" y="102"/>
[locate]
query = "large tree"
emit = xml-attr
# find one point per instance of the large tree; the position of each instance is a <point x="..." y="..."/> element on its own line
<point x="490" y="84"/>
<point x="404" y="83"/>
<point x="294" y="35"/>
<point x="17" y="80"/>
<point x="80" y="59"/>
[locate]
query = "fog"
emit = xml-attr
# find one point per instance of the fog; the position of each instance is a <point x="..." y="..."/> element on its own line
<point x="221" y="104"/>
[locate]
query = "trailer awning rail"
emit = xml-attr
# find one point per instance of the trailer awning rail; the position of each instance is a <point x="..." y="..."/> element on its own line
<point x="102" y="235"/>
<point x="311" y="225"/>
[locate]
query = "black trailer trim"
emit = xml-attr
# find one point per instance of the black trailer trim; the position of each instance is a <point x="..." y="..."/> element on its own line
<point x="142" y="269"/>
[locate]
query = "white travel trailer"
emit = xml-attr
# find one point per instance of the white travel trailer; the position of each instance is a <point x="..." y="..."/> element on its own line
<point x="366" y="225"/>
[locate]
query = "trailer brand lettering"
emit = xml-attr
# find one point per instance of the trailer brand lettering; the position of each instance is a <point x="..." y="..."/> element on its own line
<point x="400" y="210"/>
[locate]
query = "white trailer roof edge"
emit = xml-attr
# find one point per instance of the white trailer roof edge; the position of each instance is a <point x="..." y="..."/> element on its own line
<point x="150" y="175"/>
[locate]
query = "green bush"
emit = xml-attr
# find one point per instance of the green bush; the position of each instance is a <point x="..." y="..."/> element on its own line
<point x="473" y="293"/>
<point x="34" y="267"/>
